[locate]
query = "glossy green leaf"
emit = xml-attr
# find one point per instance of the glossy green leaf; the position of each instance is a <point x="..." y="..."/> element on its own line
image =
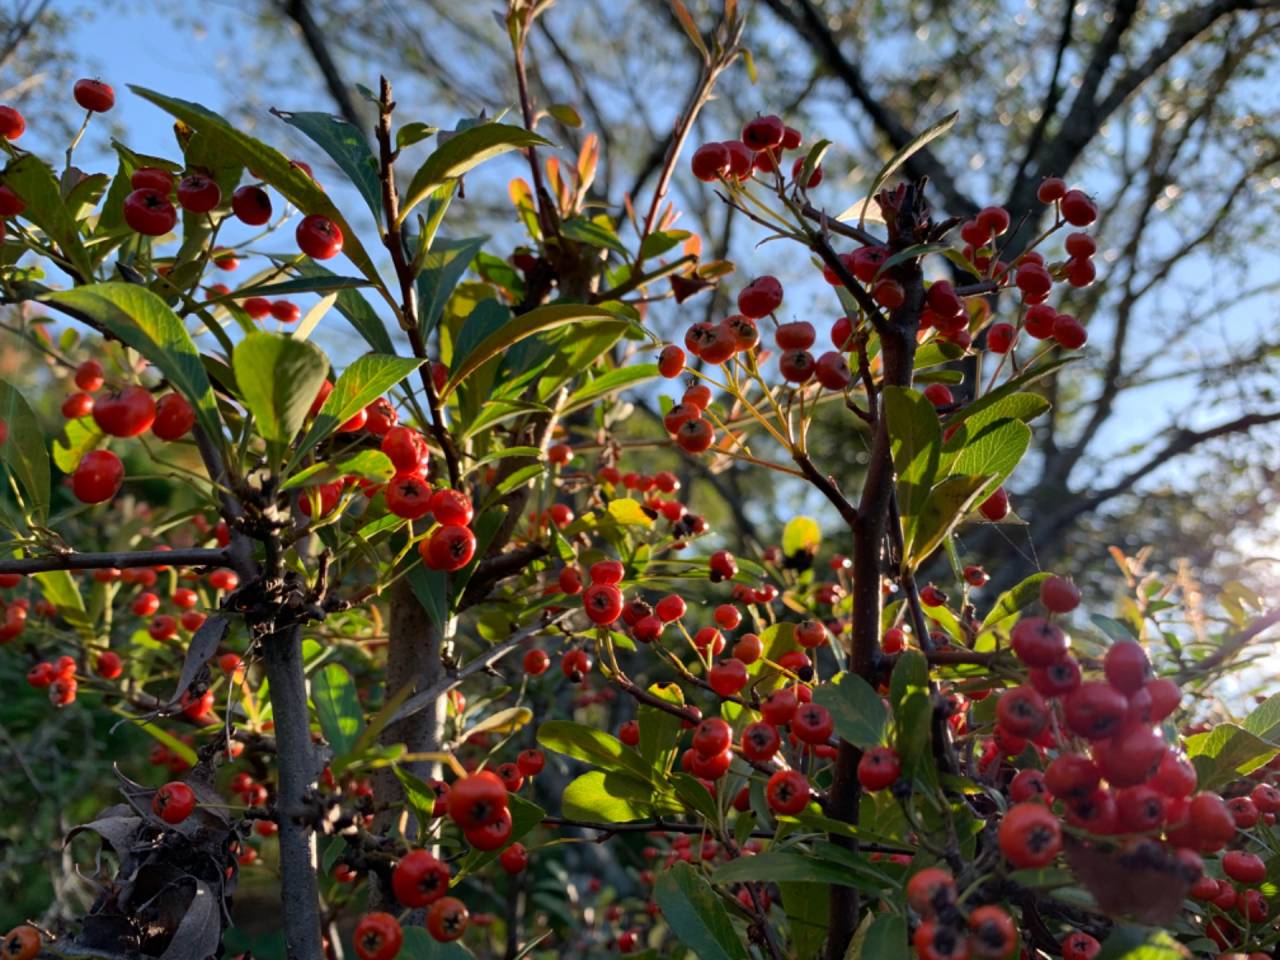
<point x="60" y="589"/>
<point x="546" y="317"/>
<point x="609" y="383"/>
<point x="1225" y="753"/>
<point x="365" y="379"/>
<point x="34" y="181"/>
<point x="696" y="916"/>
<point x="366" y="464"/>
<point x="334" y="694"/>
<point x="856" y="709"/>
<point x="463" y="151"/>
<point x="593" y="232"/>
<point x="1008" y="388"/>
<point x="1128" y="942"/>
<point x="994" y="452"/>
<point x="884" y="938"/>
<point x="486" y="318"/>
<point x="269" y="164"/>
<point x="78" y="438"/>
<point x="23" y="451"/>
<point x="1016" y="598"/>
<point x="146" y="323"/>
<point x="917" y="439"/>
<point x="808" y="909"/>
<point x="351" y="304"/>
<point x="945" y="506"/>
<point x="442" y="267"/>
<point x="779" y="867"/>
<point x="1014" y="406"/>
<point x="913" y="716"/>
<point x="660" y="730"/>
<point x="591" y="744"/>
<point x="279" y="378"/>
<point x="1264" y="720"/>
<point x="347" y="147"/>
<point x="607" y="797"/>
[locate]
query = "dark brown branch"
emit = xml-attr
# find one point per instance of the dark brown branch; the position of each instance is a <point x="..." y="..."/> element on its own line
<point x="1054" y="95"/>
<point x="318" y="46"/>
<point x="194" y="557"/>
<point x="496" y="568"/>
<point x="1228" y="648"/>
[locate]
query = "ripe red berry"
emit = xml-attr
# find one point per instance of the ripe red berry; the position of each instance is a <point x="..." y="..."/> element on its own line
<point x="760" y="741"/>
<point x="1126" y="666"/>
<point x="1029" y="835"/>
<point x="77" y="405"/>
<point x="992" y="933"/>
<point x="1022" y="711"/>
<point x="449" y="547"/>
<point x="670" y="608"/>
<point x="531" y="762"/>
<point x="319" y="237"/>
<point x="760" y="297"/>
<point x="603" y="603"/>
<point x="287" y="312"/>
<point x="1000" y="337"/>
<point x="797" y="366"/>
<point x="98" y="476"/>
<point x="173" y="802"/>
<point x="251" y="205"/>
<point x="812" y="723"/>
<point x="1095" y="711"/>
<point x="198" y="193"/>
<point x="1051" y="189"/>
<point x="1059" y="595"/>
<point x="514" y="859"/>
<point x="419" y="879"/>
<point x="125" y="413"/>
<point x="94" y="95"/>
<point x="695" y="436"/>
<point x="108" y="665"/>
<point x="1080" y="946"/>
<point x="406" y="449"/>
<point x="878" y="768"/>
<point x="174" y="417"/>
<point x="728" y="677"/>
<point x="477" y="800"/>
<point x="536" y="662"/>
<point x="996" y="507"/>
<point x="149" y="212"/>
<point x="931" y="891"/>
<point x="764" y="133"/>
<point x="1038" y="642"/>
<point x="378" y="937"/>
<point x="12" y="123"/>
<point x="787" y="792"/>
<point x="1077" y="209"/>
<point x="671" y="361"/>
<point x="408" y="496"/>
<point x="939" y="394"/>
<point x="89" y="376"/>
<point x="446" y="920"/>
<point x="710" y="161"/>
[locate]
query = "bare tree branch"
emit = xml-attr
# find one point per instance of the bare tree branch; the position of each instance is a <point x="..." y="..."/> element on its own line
<point x="318" y="46"/>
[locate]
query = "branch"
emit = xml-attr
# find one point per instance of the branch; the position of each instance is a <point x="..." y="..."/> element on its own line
<point x="318" y="47"/>
<point x="1228" y="648"/>
<point x="498" y="567"/>
<point x="421" y="701"/>
<point x="1054" y="94"/>
<point x="810" y="24"/>
<point x="195" y="557"/>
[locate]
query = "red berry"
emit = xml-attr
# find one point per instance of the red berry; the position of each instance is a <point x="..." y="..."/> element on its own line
<point x="1080" y="946"/>
<point x="174" y="417"/>
<point x="1000" y="337"/>
<point x="98" y="476"/>
<point x="764" y="133"/>
<point x="12" y="123"/>
<point x="446" y="920"/>
<point x="760" y="297"/>
<point x="1077" y="209"/>
<point x="406" y="449"/>
<point x="931" y="891"/>
<point x="728" y="677"/>
<point x="149" y="212"/>
<point x="77" y="405"/>
<point x="603" y="603"/>
<point x="671" y="361"/>
<point x="319" y="237"/>
<point x="449" y="547"/>
<point x="878" y="768"/>
<point x="89" y="376"/>
<point x="94" y="95"/>
<point x="1038" y="642"/>
<point x="1029" y="835"/>
<point x="710" y="161"/>
<point x="787" y="792"/>
<point x="198" y="193"/>
<point x="378" y="937"/>
<point x="152" y="178"/>
<point x="125" y="413"/>
<point x="1244" y="867"/>
<point x="408" y="496"/>
<point x="1126" y="666"/>
<point x="419" y="879"/>
<point x="1051" y="189"/>
<point x="251" y="205"/>
<point x="996" y="507"/>
<point x="173" y="802"/>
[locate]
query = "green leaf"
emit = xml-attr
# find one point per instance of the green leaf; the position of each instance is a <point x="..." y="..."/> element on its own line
<point x="442" y="267"/>
<point x="607" y="797"/>
<point x="60" y="589"/>
<point x="907" y="151"/>
<point x="912" y="716"/>
<point x="917" y="440"/>
<point x="808" y="910"/>
<point x="856" y="709"/>
<point x="660" y="730"/>
<point x="566" y="114"/>
<point x="1225" y="753"/>
<point x="1000" y="393"/>
<point x="352" y="305"/>
<point x="269" y="164"/>
<point x="660" y="241"/>
<point x="629" y="513"/>
<point x="935" y="353"/>
<point x="786" y="867"/>
<point x="696" y="916"/>
<point x="143" y="321"/>
<point x="334" y="694"/>
<point x="1264" y="719"/>
<point x="801" y="535"/>
<point x="78" y="438"/>
<point x="431" y="587"/>
<point x="993" y="452"/>
<point x="23" y="451"/>
<point x="366" y="464"/>
<point x="278" y="378"/>
<point x="884" y="939"/>
<point x="1014" y="406"/>
<point x="414" y="132"/>
<point x="947" y="503"/>
<point x="593" y="233"/>
<point x="176" y="746"/>
<point x="33" y="180"/>
<point x="547" y="317"/>
<point x="1141" y="943"/>
<point x="593" y="745"/>
<point x="463" y="151"/>
<point x="364" y="380"/>
<point x="1015" y="599"/>
<point x="419" y="795"/>
<point x="347" y="147"/>
<point x="614" y="381"/>
<point x="486" y="318"/>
